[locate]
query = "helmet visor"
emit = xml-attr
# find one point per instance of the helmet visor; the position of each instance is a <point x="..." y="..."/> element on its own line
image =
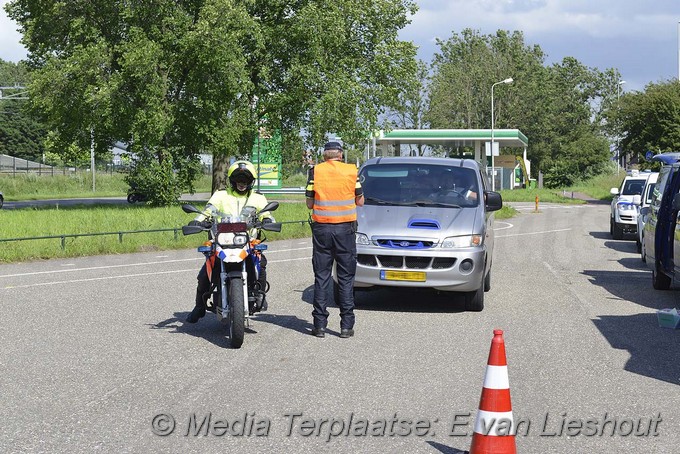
<point x="242" y="177"/>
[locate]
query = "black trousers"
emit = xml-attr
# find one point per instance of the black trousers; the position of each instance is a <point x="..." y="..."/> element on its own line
<point x="334" y="242"/>
<point x="203" y="286"/>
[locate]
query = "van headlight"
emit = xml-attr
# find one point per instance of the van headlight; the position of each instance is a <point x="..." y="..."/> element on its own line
<point x="462" y="241"/>
<point x="362" y="239"/>
<point x="625" y="207"/>
<point x="231" y="239"/>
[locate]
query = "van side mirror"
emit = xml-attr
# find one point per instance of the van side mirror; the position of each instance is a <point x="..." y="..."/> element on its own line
<point x="614" y="191"/>
<point x="493" y="201"/>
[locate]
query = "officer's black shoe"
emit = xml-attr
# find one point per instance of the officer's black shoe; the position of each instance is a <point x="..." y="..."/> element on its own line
<point x="345" y="333"/>
<point x="318" y="332"/>
<point x="196" y="314"/>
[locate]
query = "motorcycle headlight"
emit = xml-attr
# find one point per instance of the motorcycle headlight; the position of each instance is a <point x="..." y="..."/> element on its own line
<point x="462" y="241"/>
<point x="625" y="206"/>
<point x="225" y="239"/>
<point x="362" y="239"/>
<point x="231" y="239"/>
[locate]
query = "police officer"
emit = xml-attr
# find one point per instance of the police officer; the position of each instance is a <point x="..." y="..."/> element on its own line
<point x="241" y="176"/>
<point x="333" y="192"/>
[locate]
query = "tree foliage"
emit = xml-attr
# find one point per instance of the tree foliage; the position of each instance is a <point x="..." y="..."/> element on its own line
<point x="412" y="106"/>
<point x="558" y="107"/>
<point x="175" y="78"/>
<point x="649" y="120"/>
<point x="21" y="134"/>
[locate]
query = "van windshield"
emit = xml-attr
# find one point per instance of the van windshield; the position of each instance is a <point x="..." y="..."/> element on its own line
<point x="420" y="185"/>
<point x="633" y="187"/>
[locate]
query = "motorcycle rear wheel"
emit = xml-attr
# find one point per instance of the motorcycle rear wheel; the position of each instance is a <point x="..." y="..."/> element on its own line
<point x="237" y="316"/>
<point x="132" y="198"/>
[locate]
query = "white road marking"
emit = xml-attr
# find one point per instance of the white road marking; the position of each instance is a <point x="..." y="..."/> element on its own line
<point x="34" y="273"/>
<point x="102" y="278"/>
<point x="197" y="258"/>
<point x="533" y="233"/>
<point x="509" y="226"/>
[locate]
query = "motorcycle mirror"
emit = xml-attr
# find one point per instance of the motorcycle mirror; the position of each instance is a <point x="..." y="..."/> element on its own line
<point x="187" y="208"/>
<point x="272" y="226"/>
<point x="271" y="206"/>
<point x="192" y="229"/>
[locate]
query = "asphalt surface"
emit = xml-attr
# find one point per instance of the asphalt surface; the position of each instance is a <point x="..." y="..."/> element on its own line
<point x="95" y="349"/>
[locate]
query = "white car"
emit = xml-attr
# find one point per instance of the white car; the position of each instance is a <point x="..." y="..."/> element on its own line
<point x="624" y="210"/>
<point x="644" y="211"/>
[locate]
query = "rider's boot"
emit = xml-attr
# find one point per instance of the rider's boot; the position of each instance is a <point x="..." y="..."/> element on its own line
<point x="199" y="309"/>
<point x="262" y="279"/>
<point x="264" y="303"/>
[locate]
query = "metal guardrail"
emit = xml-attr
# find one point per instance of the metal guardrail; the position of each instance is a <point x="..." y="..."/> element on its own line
<point x="283" y="191"/>
<point x="75" y="235"/>
<point x="120" y="234"/>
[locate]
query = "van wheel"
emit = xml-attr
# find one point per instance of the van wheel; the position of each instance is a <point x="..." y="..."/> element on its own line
<point x="643" y="250"/>
<point x="639" y="245"/>
<point x="474" y="301"/>
<point x="659" y="280"/>
<point x="487" y="281"/>
<point x="618" y="232"/>
<point x="611" y="226"/>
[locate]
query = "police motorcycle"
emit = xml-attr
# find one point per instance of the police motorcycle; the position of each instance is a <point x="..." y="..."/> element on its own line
<point x="235" y="295"/>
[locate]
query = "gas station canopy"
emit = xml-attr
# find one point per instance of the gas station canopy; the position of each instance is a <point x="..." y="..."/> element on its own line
<point x="454" y="137"/>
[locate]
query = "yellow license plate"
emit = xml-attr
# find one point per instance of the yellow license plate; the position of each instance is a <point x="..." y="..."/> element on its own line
<point x="411" y="276"/>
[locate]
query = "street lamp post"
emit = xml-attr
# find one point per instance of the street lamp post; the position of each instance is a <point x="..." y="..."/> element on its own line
<point x="618" y="136"/>
<point x="493" y="173"/>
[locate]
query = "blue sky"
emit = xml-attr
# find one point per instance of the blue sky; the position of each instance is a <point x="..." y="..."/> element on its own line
<point x="638" y="37"/>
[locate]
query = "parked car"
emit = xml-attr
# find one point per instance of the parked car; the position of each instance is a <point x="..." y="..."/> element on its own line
<point x="643" y="204"/>
<point x="426" y="223"/>
<point x="623" y="216"/>
<point x="661" y="242"/>
<point x="2" y="200"/>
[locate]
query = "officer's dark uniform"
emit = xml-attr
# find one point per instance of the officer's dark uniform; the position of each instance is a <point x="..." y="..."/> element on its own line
<point x="334" y="188"/>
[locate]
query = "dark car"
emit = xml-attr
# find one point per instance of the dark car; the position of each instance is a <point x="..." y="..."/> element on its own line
<point x="661" y="229"/>
<point x="2" y="200"/>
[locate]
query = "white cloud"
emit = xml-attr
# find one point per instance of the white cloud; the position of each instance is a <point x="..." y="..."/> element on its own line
<point x="10" y="47"/>
<point x="638" y="38"/>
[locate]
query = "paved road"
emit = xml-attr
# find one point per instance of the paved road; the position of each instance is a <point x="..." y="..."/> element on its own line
<point x="94" y="349"/>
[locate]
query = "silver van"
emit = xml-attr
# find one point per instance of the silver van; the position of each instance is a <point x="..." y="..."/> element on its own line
<point x="426" y="222"/>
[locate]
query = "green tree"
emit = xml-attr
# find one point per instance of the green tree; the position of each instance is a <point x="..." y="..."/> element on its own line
<point x="21" y="134"/>
<point x="412" y="105"/>
<point x="650" y="119"/>
<point x="175" y="78"/>
<point x="558" y="107"/>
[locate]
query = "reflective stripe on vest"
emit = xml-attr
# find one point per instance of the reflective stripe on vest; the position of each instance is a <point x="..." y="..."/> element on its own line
<point x="334" y="189"/>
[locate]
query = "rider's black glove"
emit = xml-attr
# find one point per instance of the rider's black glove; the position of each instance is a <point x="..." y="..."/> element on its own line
<point x="204" y="224"/>
<point x="267" y="221"/>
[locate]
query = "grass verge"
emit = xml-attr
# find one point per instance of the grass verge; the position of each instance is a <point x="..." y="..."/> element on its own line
<point x="38" y="222"/>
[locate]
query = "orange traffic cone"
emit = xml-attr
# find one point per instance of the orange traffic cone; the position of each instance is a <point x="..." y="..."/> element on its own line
<point x="494" y="427"/>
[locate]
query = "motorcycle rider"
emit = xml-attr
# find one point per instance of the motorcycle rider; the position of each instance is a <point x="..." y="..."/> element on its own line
<point x="230" y="202"/>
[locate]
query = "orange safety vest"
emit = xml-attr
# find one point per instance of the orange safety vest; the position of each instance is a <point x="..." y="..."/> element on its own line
<point x="334" y="192"/>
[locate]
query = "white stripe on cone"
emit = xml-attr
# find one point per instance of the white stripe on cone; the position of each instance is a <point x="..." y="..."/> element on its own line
<point x="488" y="423"/>
<point x="496" y="377"/>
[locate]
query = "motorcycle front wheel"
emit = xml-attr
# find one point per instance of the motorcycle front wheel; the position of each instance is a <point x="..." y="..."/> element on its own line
<point x="237" y="316"/>
<point x="132" y="198"/>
